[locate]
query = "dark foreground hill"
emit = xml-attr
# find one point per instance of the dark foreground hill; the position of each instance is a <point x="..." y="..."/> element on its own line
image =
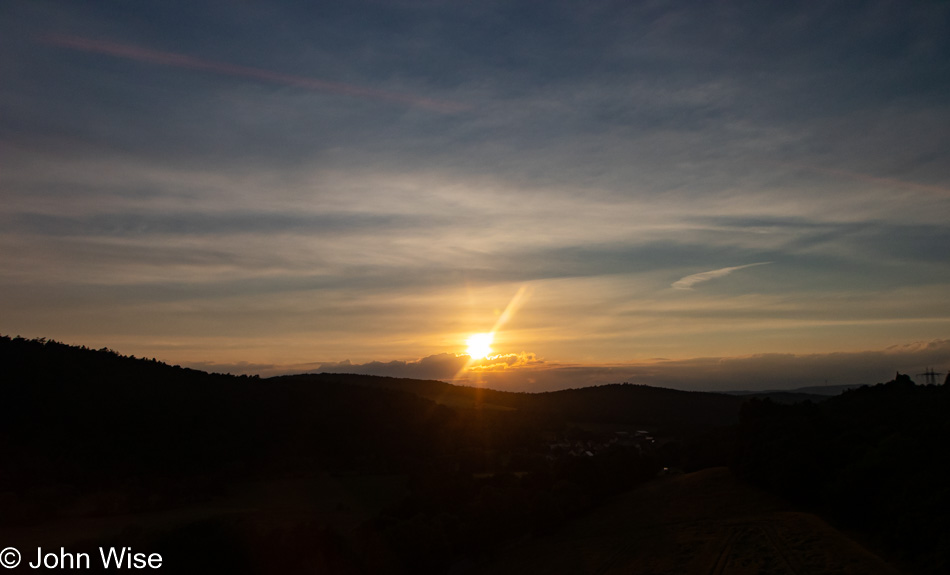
<point x="874" y="459"/>
<point x="707" y="522"/>
<point x="670" y="410"/>
<point x="334" y="474"/>
<point x="353" y="474"/>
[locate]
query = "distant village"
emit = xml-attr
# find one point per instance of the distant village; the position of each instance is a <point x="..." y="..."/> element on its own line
<point x="642" y="441"/>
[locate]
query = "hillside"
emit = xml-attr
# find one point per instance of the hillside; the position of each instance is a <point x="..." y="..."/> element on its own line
<point x="357" y="474"/>
<point x="873" y="459"/>
<point x="671" y="410"/>
<point x="373" y="473"/>
<point x="704" y="522"/>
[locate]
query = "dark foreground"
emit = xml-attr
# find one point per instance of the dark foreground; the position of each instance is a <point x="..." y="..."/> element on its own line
<point x="707" y="522"/>
<point x="360" y="475"/>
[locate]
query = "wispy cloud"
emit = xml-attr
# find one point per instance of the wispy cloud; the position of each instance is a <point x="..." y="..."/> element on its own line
<point x="689" y="281"/>
<point x="890" y="182"/>
<point x="279" y="176"/>
<point x="184" y="61"/>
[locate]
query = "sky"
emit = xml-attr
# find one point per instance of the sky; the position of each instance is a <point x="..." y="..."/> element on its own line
<point x="701" y="195"/>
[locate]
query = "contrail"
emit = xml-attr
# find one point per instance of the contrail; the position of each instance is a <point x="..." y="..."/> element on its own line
<point x="184" y="61"/>
<point x="689" y="281"/>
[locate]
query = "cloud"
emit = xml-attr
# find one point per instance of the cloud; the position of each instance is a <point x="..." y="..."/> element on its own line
<point x="689" y="281"/>
<point x="506" y="361"/>
<point x="756" y="372"/>
<point x="890" y="182"/>
<point x="527" y="372"/>
<point x="184" y="61"/>
<point x="439" y="366"/>
<point x="213" y="223"/>
<point x="444" y="366"/>
<point x="174" y="195"/>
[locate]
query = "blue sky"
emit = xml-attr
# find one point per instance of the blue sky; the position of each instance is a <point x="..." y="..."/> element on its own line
<point x="270" y="187"/>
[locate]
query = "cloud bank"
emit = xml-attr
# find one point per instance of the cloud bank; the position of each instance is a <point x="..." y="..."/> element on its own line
<point x="527" y="372"/>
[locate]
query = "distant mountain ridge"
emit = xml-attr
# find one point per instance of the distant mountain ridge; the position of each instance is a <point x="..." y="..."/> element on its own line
<point x="816" y="390"/>
<point x="611" y="403"/>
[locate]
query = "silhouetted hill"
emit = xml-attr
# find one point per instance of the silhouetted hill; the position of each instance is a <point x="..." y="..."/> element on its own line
<point x="91" y="438"/>
<point x="810" y="393"/>
<point x="438" y="391"/>
<point x="694" y="524"/>
<point x="641" y="405"/>
<point x="784" y="396"/>
<point x="626" y="404"/>
<point x="826" y="389"/>
<point x="873" y="458"/>
<point x="79" y="414"/>
<point x="359" y="474"/>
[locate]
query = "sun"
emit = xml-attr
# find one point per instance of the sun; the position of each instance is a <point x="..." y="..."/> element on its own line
<point x="479" y="345"/>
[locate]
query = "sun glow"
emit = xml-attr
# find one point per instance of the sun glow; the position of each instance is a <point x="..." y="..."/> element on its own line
<point x="479" y="345"/>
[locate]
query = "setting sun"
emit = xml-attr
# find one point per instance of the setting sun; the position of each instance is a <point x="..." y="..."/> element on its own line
<point x="479" y="345"/>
